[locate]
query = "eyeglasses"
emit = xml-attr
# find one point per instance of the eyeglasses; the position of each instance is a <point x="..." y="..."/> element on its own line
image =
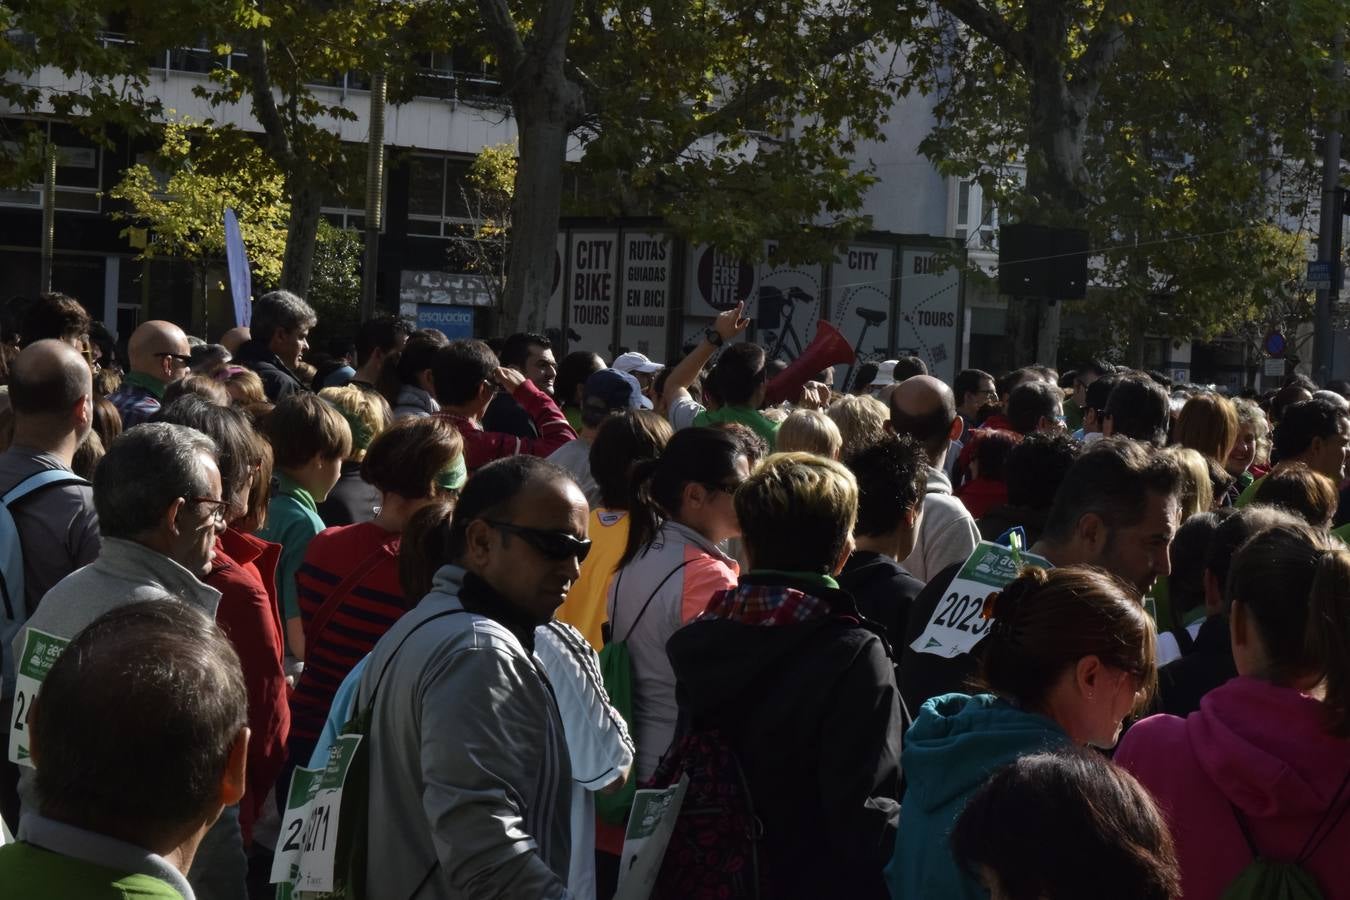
<point x="555" y="545"/>
<point x="220" y="509"/>
<point x="178" y="358"/>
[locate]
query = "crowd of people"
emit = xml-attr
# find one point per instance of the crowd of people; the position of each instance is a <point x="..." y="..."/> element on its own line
<point x="533" y="586"/>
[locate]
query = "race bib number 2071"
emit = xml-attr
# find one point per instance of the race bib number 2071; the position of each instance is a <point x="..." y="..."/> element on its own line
<point x="40" y="652"/>
<point x="957" y="624"/>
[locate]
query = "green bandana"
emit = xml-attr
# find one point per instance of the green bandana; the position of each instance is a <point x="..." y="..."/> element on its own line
<point x="454" y="476"/>
<point x="361" y="433"/>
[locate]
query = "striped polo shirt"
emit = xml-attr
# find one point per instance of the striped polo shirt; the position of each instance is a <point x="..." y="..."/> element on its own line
<point x="364" y="613"/>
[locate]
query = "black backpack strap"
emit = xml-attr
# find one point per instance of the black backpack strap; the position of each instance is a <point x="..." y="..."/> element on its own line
<point x="1246" y="832"/>
<point x="1185" y="643"/>
<point x="1327" y="824"/>
<point x="642" y="612"/>
<point x="1324" y="827"/>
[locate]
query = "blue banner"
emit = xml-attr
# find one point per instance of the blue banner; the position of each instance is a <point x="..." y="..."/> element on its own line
<point x="241" y="282"/>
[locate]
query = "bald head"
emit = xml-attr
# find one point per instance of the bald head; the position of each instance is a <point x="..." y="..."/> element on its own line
<point x="924" y="408"/>
<point x="159" y="349"/>
<point x="49" y="379"/>
<point x="235" y="338"/>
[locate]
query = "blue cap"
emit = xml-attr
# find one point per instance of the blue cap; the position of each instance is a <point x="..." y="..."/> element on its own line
<point x="609" y="391"/>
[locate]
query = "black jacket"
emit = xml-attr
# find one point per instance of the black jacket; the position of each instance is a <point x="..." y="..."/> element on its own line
<point x="504" y="414"/>
<point x="278" y="381"/>
<point x="351" y="500"/>
<point x="1182" y="682"/>
<point x="813" y="714"/>
<point x="884" y="591"/>
<point x="1001" y="518"/>
<point x="923" y="675"/>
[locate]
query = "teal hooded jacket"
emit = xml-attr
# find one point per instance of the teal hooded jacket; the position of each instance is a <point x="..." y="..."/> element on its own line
<point x="954" y="745"/>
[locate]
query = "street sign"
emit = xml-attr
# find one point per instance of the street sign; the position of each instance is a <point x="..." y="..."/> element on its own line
<point x="1319" y="275"/>
<point x="1274" y="344"/>
<point x="1274" y="368"/>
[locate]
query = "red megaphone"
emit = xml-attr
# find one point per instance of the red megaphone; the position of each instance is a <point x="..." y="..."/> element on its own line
<point x="828" y="349"/>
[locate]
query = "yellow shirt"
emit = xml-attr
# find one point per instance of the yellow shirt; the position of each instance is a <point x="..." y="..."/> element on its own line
<point x="584" y="608"/>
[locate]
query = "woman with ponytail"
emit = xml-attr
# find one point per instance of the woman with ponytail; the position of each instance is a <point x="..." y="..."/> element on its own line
<point x="1069" y="654"/>
<point x="1263" y="769"/>
<point x="679" y="510"/>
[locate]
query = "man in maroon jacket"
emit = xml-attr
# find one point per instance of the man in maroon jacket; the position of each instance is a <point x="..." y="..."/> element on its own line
<point x="466" y="374"/>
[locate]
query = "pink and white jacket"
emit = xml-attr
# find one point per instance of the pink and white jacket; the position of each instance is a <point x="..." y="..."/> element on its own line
<point x="679" y="571"/>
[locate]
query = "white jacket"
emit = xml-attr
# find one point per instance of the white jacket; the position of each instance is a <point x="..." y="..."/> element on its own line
<point x="947" y="532"/>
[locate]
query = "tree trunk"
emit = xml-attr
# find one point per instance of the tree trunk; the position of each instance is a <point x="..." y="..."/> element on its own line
<point x="546" y="104"/>
<point x="1055" y="179"/>
<point x="297" y="265"/>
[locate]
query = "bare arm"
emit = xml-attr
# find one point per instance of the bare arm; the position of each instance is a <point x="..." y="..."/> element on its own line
<point x="727" y="325"/>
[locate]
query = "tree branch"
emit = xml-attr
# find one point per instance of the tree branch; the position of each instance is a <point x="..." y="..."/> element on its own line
<point x="1108" y="39"/>
<point x="501" y="30"/>
<point x="984" y="21"/>
<point x="756" y="95"/>
<point x="258" y="71"/>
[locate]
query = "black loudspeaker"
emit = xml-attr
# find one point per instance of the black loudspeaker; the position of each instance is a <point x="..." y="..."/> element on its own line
<point x="1039" y="261"/>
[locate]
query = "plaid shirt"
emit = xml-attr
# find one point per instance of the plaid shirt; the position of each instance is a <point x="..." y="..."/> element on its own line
<point x="763" y="604"/>
<point x="135" y="403"/>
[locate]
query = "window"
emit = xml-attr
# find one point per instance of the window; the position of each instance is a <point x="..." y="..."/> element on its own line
<point x="975" y="218"/>
<point x="435" y="194"/>
<point x="79" y="172"/>
<point x="347" y="208"/>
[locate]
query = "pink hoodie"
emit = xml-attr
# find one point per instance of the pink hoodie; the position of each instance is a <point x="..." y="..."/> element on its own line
<point x="1264" y="749"/>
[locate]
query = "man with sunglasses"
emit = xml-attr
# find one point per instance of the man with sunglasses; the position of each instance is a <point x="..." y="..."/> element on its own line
<point x="159" y="353"/>
<point x="470" y="779"/>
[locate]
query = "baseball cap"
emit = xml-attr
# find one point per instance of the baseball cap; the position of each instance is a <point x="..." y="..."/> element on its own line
<point x="885" y="373"/>
<point x="607" y="391"/>
<point x="636" y="362"/>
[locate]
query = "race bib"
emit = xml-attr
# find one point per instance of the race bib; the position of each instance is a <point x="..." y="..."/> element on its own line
<point x="957" y="626"/>
<point x="305" y="855"/>
<point x="40" y="652"/>
<point x="645" y="840"/>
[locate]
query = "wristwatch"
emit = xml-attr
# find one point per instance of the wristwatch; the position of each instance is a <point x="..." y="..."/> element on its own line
<point x="713" y="337"/>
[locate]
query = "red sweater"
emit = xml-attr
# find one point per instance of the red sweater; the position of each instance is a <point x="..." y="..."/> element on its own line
<point x="244" y="571"/>
<point x="482" y="447"/>
<point x="363" y="615"/>
<point x="979" y="495"/>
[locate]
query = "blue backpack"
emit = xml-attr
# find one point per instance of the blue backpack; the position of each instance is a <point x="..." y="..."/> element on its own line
<point x="13" y="602"/>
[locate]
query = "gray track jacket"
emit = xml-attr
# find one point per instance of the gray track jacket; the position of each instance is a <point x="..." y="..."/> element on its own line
<point x="470" y="783"/>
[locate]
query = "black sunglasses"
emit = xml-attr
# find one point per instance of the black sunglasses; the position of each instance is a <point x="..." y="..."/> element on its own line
<point x="556" y="545"/>
<point x="178" y="357"/>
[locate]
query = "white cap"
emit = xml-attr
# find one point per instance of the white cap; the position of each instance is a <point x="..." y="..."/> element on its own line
<point x="636" y="362"/>
<point x="885" y="373"/>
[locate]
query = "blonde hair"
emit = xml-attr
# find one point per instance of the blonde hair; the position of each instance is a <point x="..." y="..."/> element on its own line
<point x="244" y="385"/>
<point x="1248" y="413"/>
<point x="810" y="431"/>
<point x="1197" y="491"/>
<point x="1208" y="424"/>
<point x="797" y="512"/>
<point x="366" y="412"/>
<point x="861" y="420"/>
